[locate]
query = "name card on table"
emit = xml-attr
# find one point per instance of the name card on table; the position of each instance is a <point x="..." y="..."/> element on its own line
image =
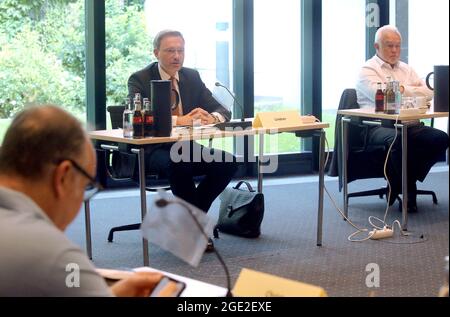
<point x="282" y="119"/>
<point x="257" y="284"/>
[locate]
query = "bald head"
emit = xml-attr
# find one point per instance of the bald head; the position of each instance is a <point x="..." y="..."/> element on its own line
<point x="38" y="137"/>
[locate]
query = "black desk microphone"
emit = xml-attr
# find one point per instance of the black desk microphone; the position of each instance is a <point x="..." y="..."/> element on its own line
<point x="233" y="124"/>
<point x="164" y="202"/>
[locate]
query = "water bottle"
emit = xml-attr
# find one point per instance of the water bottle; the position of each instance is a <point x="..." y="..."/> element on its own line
<point x="398" y="96"/>
<point x="390" y="98"/>
<point x="127" y="119"/>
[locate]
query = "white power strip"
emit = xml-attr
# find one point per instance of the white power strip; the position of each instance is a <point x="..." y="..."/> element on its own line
<point x="381" y="233"/>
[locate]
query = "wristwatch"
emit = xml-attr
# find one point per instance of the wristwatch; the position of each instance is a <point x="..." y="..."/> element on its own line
<point x="216" y="118"/>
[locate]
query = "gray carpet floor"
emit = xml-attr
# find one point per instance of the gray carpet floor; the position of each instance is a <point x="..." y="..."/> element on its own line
<point x="412" y="266"/>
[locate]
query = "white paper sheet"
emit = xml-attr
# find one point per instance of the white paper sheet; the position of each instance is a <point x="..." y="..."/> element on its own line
<point x="173" y="228"/>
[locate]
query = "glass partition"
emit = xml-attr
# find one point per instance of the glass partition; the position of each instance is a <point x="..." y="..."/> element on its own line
<point x="277" y="60"/>
<point x="343" y="53"/>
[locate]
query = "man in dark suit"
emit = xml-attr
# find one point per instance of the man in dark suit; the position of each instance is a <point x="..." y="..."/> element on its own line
<point x="192" y="101"/>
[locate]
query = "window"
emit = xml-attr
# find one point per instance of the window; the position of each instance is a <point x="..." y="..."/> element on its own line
<point x="277" y="61"/>
<point x="207" y="30"/>
<point x="128" y="47"/>
<point x="41" y="57"/>
<point x="428" y="35"/>
<point x="425" y="27"/>
<point x="343" y="53"/>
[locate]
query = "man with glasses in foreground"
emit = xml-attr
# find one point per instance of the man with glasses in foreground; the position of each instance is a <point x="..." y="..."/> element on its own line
<point x="46" y="163"/>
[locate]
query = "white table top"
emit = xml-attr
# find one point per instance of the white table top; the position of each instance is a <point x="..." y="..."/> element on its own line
<point x="370" y="113"/>
<point x="181" y="134"/>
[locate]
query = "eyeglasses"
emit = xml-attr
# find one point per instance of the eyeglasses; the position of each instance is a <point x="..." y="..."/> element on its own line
<point x="172" y="51"/>
<point x="93" y="187"/>
<point x="391" y="46"/>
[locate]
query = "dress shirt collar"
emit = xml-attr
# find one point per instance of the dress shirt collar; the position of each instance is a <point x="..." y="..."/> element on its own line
<point x="382" y="63"/>
<point x="164" y="75"/>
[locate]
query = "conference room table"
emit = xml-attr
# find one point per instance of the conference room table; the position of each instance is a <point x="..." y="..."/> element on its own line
<point x="399" y="121"/>
<point x="111" y="139"/>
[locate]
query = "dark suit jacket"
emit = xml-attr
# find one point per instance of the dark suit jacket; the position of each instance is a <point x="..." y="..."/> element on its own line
<point x="192" y="90"/>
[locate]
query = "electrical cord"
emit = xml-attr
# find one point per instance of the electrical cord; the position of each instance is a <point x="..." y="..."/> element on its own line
<point x="359" y="230"/>
<point x="384" y="225"/>
<point x="162" y="202"/>
<point x="403" y="233"/>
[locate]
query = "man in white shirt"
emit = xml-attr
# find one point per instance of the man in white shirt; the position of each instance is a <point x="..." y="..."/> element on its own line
<point x="425" y="144"/>
<point x="386" y="63"/>
<point x="46" y="162"/>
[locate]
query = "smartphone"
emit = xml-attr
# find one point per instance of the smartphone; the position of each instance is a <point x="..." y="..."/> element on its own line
<point x="113" y="276"/>
<point x="168" y="287"/>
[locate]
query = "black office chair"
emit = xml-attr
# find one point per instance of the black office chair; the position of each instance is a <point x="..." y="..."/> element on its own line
<point x="363" y="161"/>
<point x="116" y="169"/>
<point x="125" y="168"/>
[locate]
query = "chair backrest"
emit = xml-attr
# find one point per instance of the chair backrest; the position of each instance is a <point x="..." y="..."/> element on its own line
<point x="116" y="114"/>
<point x="120" y="170"/>
<point x="362" y="163"/>
<point x="349" y="99"/>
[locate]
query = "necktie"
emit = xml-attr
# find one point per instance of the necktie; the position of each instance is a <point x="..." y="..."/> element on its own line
<point x="175" y="98"/>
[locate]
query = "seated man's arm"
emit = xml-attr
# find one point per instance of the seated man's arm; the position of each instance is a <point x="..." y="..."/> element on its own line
<point x="416" y="86"/>
<point x="207" y="101"/>
<point x="72" y="274"/>
<point x="211" y="105"/>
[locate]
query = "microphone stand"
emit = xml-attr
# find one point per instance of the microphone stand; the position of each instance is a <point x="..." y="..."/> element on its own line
<point x="163" y="203"/>
<point x="230" y="125"/>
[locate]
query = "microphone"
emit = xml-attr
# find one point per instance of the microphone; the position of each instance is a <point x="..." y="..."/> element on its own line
<point x="162" y="202"/>
<point x="233" y="124"/>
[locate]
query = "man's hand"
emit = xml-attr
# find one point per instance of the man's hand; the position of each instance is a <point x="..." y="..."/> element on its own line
<point x="196" y="115"/>
<point x="139" y="284"/>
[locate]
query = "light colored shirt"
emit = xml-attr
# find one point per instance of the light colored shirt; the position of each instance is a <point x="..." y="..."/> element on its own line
<point x="36" y="258"/>
<point x="376" y="70"/>
<point x="165" y="76"/>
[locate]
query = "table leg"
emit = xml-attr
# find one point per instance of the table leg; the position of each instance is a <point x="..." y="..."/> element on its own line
<point x="344" y="141"/>
<point x="404" y="176"/>
<point x="260" y="162"/>
<point x="321" y="187"/>
<point x="87" y="222"/>
<point x="141" y="162"/>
